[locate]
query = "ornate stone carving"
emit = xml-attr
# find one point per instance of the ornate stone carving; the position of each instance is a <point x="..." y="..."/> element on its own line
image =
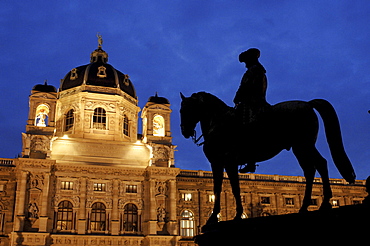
<point x="160" y="188"/>
<point x="40" y="143"/>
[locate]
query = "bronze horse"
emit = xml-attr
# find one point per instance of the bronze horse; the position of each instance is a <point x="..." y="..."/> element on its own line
<point x="287" y="125"/>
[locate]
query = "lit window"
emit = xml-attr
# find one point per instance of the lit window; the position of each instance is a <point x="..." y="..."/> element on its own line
<point x="66" y="185"/>
<point x="99" y="187"/>
<point x="335" y="203"/>
<point x="69" y="120"/>
<point x="64" y="216"/>
<point x="289" y="201"/>
<point x="2" y="187"/>
<point x="99" y="119"/>
<point x="125" y="126"/>
<point x="158" y="126"/>
<point x="186" y="197"/>
<point x="42" y="115"/>
<point x="97" y="222"/>
<point x="211" y="198"/>
<point x="131" y="218"/>
<point x="131" y="188"/>
<point x="265" y="200"/>
<point x="187" y="224"/>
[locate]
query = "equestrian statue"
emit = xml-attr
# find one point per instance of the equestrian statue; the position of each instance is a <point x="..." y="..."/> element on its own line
<point x="254" y="131"/>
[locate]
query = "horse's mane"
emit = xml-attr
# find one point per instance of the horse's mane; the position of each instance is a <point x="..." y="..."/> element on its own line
<point x="212" y="100"/>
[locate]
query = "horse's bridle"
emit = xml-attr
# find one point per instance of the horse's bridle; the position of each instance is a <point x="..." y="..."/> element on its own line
<point x="196" y="140"/>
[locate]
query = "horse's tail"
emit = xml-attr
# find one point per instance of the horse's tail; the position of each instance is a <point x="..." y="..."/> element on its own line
<point x="334" y="138"/>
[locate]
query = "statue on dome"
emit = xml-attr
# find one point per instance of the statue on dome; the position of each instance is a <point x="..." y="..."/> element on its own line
<point x="100" y="40"/>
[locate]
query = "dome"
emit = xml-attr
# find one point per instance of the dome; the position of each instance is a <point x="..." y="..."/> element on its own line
<point x="98" y="73"/>
<point x="44" y="88"/>
<point x="158" y="100"/>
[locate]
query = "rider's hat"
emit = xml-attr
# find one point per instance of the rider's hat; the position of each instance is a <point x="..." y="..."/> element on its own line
<point x="250" y="54"/>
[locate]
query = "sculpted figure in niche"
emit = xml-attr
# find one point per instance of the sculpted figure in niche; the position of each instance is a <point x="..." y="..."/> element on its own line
<point x="158" y="126"/>
<point x="33" y="211"/>
<point x="41" y="118"/>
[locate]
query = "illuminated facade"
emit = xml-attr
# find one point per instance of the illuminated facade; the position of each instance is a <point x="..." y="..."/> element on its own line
<point x="86" y="177"/>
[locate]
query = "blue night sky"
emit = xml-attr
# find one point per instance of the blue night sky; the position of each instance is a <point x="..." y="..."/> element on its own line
<point x="310" y="49"/>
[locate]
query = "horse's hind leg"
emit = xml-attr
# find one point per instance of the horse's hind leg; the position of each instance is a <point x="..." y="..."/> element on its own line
<point x="307" y="165"/>
<point x="232" y="173"/>
<point x="322" y="168"/>
<point x="310" y="160"/>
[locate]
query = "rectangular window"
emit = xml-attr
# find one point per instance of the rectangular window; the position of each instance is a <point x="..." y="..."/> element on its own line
<point x="335" y="203"/>
<point x="356" y="202"/>
<point x="265" y="200"/>
<point x="186" y="197"/>
<point x="99" y="187"/>
<point x="289" y="201"/>
<point x="187" y="228"/>
<point x="211" y="198"/>
<point x="2" y="187"/>
<point x="66" y="185"/>
<point x="131" y="188"/>
<point x="313" y="202"/>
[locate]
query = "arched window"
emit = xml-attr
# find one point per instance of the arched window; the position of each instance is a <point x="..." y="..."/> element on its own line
<point x="64" y="216"/>
<point x="187" y="224"/>
<point x="97" y="220"/>
<point x="125" y="126"/>
<point x="69" y="120"/>
<point x="131" y="218"/>
<point x="42" y="115"/>
<point x="99" y="119"/>
<point x="158" y="126"/>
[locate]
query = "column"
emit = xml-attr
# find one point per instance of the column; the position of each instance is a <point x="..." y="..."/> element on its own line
<point x="20" y="202"/>
<point x="115" y="213"/>
<point x="43" y="226"/>
<point x="81" y="223"/>
<point x="172" y="224"/>
<point x="152" y="227"/>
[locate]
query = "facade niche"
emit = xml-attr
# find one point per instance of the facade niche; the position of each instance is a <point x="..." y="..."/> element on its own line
<point x="42" y="115"/>
<point x="158" y="126"/>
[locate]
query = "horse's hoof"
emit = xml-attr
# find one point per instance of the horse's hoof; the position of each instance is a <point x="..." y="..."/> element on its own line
<point x="325" y="206"/>
<point x="238" y="218"/>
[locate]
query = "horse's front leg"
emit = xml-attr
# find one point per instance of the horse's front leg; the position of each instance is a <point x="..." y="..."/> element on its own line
<point x="232" y="173"/>
<point x="218" y="175"/>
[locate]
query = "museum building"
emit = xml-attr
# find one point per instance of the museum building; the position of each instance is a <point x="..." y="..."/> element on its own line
<point x="86" y="177"/>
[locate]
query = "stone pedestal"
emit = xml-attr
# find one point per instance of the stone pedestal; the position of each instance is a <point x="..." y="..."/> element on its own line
<point x="340" y="226"/>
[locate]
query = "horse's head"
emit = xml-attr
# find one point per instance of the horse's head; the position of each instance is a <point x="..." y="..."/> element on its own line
<point x="189" y="115"/>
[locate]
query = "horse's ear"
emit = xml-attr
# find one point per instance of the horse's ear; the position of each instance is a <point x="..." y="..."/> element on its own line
<point x="182" y="96"/>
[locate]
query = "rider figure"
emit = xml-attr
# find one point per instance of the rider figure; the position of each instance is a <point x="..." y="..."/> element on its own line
<point x="250" y="99"/>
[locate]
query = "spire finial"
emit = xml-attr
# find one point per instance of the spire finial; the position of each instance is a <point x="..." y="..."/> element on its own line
<point x="100" y="40"/>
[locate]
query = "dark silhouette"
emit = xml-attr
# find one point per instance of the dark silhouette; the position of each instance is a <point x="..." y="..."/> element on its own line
<point x="366" y="201"/>
<point x="250" y="99"/>
<point x="291" y="124"/>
